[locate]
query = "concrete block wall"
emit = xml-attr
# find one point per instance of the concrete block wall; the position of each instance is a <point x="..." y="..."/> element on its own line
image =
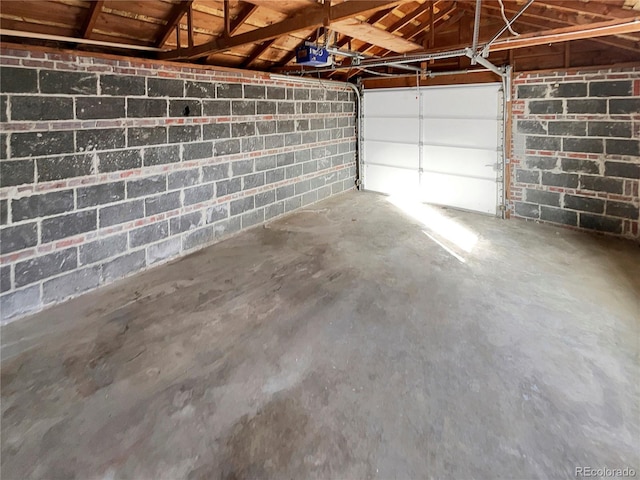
<point x="576" y="149"/>
<point x="110" y="166"/>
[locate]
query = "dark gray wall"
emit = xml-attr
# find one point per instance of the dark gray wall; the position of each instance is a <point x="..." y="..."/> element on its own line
<point x="576" y="150"/>
<point x="110" y="166"/>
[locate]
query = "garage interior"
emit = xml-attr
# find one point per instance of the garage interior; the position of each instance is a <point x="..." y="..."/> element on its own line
<point x="320" y="239"/>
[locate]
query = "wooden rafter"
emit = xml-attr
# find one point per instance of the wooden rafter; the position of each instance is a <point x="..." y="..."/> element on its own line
<point x="590" y="9"/>
<point x="292" y="54"/>
<point x="243" y="15"/>
<point x="92" y="17"/>
<point x="542" y="23"/>
<point x="545" y="13"/>
<point x="177" y="12"/>
<point x="432" y="32"/>
<point x="575" y="32"/>
<point x="227" y="18"/>
<point x="440" y="16"/>
<point x="259" y="50"/>
<point x="373" y="19"/>
<point x="409" y="17"/>
<point x="310" y="18"/>
<point x="557" y="35"/>
<point x="404" y="21"/>
<point x="447" y="14"/>
<point x="190" y="25"/>
<point x="433" y="23"/>
<point x="535" y="18"/>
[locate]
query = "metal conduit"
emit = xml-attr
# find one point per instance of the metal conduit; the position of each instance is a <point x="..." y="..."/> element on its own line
<point x="86" y="41"/>
<point x="476" y="28"/>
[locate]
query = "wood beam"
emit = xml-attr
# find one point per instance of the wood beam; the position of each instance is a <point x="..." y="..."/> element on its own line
<point x="373" y="19"/>
<point x="92" y="17"/>
<point x="542" y="12"/>
<point x="604" y="10"/>
<point x="575" y="32"/>
<point x="409" y="17"/>
<point x="410" y="80"/>
<point x="443" y="24"/>
<point x="312" y="17"/>
<point x="558" y="35"/>
<point x="227" y="19"/>
<point x="425" y="26"/>
<point x="292" y="54"/>
<point x="409" y="35"/>
<point x="259" y="50"/>
<point x="433" y="21"/>
<point x="177" y="12"/>
<point x="243" y="15"/>
<point x="190" y="26"/>
<point x="432" y="32"/>
<point x="376" y="36"/>
<point x="543" y="22"/>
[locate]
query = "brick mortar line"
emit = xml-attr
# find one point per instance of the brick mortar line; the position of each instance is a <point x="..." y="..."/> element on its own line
<point x="18" y="191"/>
<point x="188" y="208"/>
<point x="13" y="257"/>
<point x="133" y="122"/>
<point x="167" y="144"/>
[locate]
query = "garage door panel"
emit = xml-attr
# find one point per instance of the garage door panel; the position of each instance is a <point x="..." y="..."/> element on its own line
<point x="477" y="101"/>
<point x="461" y="161"/>
<point x="402" y="130"/>
<point x="392" y="103"/>
<point x="392" y="180"/>
<point x="461" y="132"/>
<point x="442" y="143"/>
<point x="393" y="154"/>
<point x="460" y="192"/>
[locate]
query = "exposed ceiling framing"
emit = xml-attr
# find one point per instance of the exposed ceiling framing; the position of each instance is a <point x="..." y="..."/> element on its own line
<point x="92" y="17"/>
<point x="264" y="34"/>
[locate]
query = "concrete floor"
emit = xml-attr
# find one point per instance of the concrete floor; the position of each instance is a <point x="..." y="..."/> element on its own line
<point x="340" y="342"/>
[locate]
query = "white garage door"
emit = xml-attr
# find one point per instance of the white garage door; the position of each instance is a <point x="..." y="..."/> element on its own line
<point x="442" y="145"/>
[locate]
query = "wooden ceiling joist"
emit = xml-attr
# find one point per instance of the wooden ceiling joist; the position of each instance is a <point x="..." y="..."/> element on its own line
<point x="292" y="54"/>
<point x="440" y="16"/>
<point x="432" y="24"/>
<point x="375" y="36"/>
<point x="543" y="23"/>
<point x="400" y="24"/>
<point x="92" y="17"/>
<point x="575" y="32"/>
<point x="177" y="12"/>
<point x="227" y="18"/>
<point x="243" y="15"/>
<point x="540" y="13"/>
<point x="312" y="17"/>
<point x="590" y="9"/>
<point x="409" y="17"/>
<point x="259" y="50"/>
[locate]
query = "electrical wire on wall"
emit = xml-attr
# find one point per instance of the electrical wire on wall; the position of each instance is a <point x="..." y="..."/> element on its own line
<point x="379" y="74"/>
<point x="504" y="17"/>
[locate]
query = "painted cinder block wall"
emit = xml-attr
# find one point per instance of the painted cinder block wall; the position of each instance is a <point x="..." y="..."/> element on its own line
<point x="110" y="166"/>
<point x="576" y="149"/>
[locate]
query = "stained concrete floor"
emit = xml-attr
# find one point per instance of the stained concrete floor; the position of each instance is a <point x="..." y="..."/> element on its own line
<point x="341" y="342"/>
